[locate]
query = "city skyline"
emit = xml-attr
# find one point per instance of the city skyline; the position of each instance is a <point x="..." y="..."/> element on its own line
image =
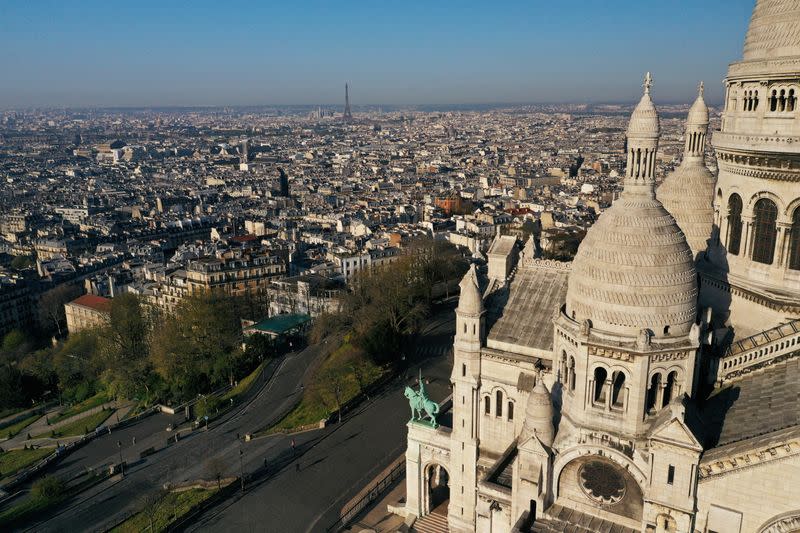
<point x="196" y="55"/>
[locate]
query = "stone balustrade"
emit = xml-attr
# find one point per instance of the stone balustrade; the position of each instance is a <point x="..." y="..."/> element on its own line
<point x="759" y="349"/>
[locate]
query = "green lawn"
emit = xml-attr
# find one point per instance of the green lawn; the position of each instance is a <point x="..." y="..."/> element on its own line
<point x="318" y="401"/>
<point x="15" y="460"/>
<point x="11" y="411"/>
<point x="79" y="427"/>
<point x="173" y="506"/>
<point x="15" y="428"/>
<point x="244" y="384"/>
<point x="89" y="403"/>
<point x="15" y="516"/>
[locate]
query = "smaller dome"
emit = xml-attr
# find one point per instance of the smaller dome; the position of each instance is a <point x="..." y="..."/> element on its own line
<point x="539" y="415"/>
<point x="644" y="120"/>
<point x="698" y="113"/>
<point x="470" y="301"/>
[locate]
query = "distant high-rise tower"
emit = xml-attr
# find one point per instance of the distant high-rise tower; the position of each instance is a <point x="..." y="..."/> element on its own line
<point x="284" y="184"/>
<point x="347" y="114"/>
<point x="243" y="152"/>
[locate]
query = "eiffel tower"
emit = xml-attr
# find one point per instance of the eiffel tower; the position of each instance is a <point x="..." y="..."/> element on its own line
<point x="348" y="116"/>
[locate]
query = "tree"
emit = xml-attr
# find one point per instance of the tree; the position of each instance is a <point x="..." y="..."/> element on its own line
<point x="197" y="346"/>
<point x="330" y="385"/>
<point x="152" y="504"/>
<point x="51" y="306"/>
<point x="124" y="346"/>
<point x="215" y="468"/>
<point x="11" y="387"/>
<point x="48" y="488"/>
<point x="15" y="343"/>
<point x="21" y="262"/>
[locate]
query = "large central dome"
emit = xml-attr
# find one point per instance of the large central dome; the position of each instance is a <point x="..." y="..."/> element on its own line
<point x="774" y="30"/>
<point x="634" y="270"/>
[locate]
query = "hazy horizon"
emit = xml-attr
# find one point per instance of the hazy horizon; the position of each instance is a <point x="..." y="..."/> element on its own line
<point x="243" y="54"/>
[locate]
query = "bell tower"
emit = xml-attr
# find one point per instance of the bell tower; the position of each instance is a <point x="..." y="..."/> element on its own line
<point x="470" y="325"/>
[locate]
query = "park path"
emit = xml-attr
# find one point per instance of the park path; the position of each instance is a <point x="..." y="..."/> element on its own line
<point x="40" y="426"/>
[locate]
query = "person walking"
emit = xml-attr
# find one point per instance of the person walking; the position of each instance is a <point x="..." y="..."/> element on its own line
<point x="294" y="449"/>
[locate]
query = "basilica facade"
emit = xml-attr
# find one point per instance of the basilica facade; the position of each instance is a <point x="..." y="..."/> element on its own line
<point x="653" y="383"/>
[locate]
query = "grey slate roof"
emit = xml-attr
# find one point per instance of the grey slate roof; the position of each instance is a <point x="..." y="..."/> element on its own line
<point x="762" y="402"/>
<point x="527" y="317"/>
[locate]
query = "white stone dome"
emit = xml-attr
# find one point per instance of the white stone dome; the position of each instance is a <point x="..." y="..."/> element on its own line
<point x="634" y="270"/>
<point x="644" y="121"/>
<point x="688" y="194"/>
<point x="539" y="415"/>
<point x="774" y="30"/>
<point x="470" y="301"/>
<point x="698" y="113"/>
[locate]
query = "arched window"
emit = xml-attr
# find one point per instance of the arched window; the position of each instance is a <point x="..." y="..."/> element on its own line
<point x="600" y="392"/>
<point x="652" y="394"/>
<point x="511" y="410"/>
<point x="734" y="224"/>
<point x="765" y="214"/>
<point x="571" y="375"/>
<point x="487" y="405"/>
<point x="782" y="100"/>
<point x="794" y="241"/>
<point x="666" y="330"/>
<point x="498" y="404"/>
<point x="790" y="101"/>
<point x="773" y="101"/>
<point x="671" y="388"/>
<point x="618" y="390"/>
<point x="755" y="101"/>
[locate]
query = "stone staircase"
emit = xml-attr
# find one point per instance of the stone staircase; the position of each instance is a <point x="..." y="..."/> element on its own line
<point x="431" y="523"/>
<point x="562" y="519"/>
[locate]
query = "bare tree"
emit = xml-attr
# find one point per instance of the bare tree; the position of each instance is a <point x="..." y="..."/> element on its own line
<point x="215" y="468"/>
<point x="152" y="504"/>
<point x="51" y="305"/>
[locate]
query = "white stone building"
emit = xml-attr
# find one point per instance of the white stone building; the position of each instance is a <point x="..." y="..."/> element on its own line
<point x="653" y="384"/>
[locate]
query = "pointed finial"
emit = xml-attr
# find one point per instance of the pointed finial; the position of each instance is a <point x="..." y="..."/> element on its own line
<point x="701" y="89"/>
<point x="648" y="82"/>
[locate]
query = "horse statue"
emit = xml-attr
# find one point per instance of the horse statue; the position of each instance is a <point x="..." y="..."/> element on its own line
<point x="418" y="401"/>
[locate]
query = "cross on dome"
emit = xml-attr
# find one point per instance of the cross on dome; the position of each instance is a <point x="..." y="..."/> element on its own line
<point x="701" y="88"/>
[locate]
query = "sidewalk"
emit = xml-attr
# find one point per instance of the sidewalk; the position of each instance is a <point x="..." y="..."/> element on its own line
<point x="41" y="428"/>
<point x="378" y="517"/>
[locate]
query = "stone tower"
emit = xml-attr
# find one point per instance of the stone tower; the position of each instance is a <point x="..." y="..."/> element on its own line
<point x="755" y="274"/>
<point x="625" y="347"/>
<point x="470" y="330"/>
<point x="688" y="192"/>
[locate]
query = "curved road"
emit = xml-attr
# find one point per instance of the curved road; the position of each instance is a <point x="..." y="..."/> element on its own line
<point x="335" y="463"/>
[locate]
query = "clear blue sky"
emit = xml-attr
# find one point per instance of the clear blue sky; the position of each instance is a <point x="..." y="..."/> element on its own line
<point x="140" y="52"/>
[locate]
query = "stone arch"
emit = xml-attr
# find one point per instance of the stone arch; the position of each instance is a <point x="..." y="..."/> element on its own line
<point x="600" y="374"/>
<point x="782" y="523"/>
<point x="436" y="486"/>
<point x="794" y="240"/>
<point x="621" y="491"/>
<point x="765" y="230"/>
<point x="733" y="216"/>
<point x="777" y="200"/>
